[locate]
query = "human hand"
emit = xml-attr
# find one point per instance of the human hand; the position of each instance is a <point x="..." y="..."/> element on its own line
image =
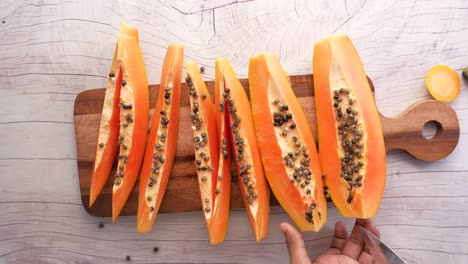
<point x="343" y="249"/>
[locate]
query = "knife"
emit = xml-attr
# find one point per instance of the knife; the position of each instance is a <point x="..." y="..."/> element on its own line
<point x="381" y="252"/>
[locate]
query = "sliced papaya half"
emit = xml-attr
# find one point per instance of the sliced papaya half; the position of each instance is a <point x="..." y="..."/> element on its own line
<point x="213" y="167"/>
<point x="107" y="143"/>
<point x="248" y="163"/>
<point x="351" y="142"/>
<point x="162" y="140"/>
<point x="134" y="114"/>
<point x="286" y="144"/>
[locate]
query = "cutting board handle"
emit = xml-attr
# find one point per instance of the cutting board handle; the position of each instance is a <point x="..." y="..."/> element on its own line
<point x="405" y="131"/>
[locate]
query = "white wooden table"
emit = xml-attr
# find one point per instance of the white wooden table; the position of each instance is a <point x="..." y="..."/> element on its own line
<point x="51" y="50"/>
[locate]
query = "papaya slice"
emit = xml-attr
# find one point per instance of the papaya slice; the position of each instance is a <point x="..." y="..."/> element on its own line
<point x="246" y="156"/>
<point x="213" y="167"/>
<point x="134" y="114"/>
<point x="108" y="136"/>
<point x="162" y="140"/>
<point x="352" y="150"/>
<point x="107" y="146"/>
<point x="443" y="83"/>
<point x="286" y="144"/>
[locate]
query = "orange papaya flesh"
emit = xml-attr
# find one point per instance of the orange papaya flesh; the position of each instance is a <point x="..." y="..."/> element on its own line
<point x="286" y="144"/>
<point x="212" y="171"/>
<point x="246" y="156"/>
<point x="352" y="150"/>
<point x="106" y="149"/>
<point x="134" y="114"/>
<point x="107" y="146"/>
<point x="161" y="146"/>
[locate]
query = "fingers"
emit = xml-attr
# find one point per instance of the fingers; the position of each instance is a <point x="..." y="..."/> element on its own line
<point x="340" y="237"/>
<point x="296" y="247"/>
<point x="369" y="225"/>
<point x="366" y="257"/>
<point x="355" y="243"/>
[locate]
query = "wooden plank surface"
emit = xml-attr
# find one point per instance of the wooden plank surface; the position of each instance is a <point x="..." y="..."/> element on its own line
<point x="52" y="50"/>
<point x="403" y="132"/>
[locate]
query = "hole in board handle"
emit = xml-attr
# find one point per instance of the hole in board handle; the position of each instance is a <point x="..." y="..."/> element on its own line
<point x="431" y="129"/>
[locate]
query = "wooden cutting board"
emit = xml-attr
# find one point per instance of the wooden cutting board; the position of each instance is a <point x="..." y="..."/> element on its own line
<point x="402" y="132"/>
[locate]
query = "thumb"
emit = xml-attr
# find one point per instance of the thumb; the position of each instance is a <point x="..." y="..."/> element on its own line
<point x="296" y="247"/>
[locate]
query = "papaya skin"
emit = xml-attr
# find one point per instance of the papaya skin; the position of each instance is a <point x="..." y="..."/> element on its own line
<point x="133" y="121"/>
<point x="337" y="65"/>
<point x="106" y="147"/>
<point x="258" y="207"/>
<point x="222" y="124"/>
<point x="215" y="204"/>
<point x="155" y="176"/>
<point x="304" y="203"/>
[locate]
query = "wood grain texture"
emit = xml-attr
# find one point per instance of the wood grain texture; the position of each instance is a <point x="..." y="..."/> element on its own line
<point x="402" y="132"/>
<point x="405" y="131"/>
<point x="52" y="50"/>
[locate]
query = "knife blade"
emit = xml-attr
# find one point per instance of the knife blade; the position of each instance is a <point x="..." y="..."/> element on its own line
<point x="381" y="252"/>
